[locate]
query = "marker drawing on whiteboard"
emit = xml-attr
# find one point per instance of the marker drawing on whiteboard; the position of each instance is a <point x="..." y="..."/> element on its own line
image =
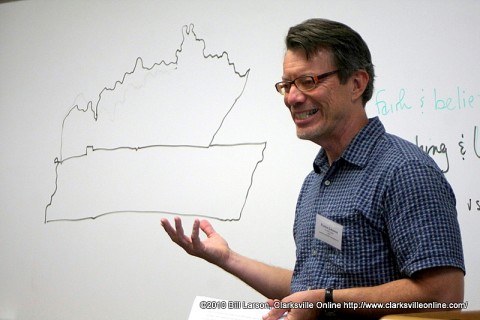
<point x="145" y="146"/>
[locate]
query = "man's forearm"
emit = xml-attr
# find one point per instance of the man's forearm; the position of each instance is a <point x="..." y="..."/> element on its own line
<point x="441" y="285"/>
<point x="272" y="282"/>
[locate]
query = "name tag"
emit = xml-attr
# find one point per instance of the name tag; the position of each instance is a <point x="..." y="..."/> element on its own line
<point x="329" y="231"/>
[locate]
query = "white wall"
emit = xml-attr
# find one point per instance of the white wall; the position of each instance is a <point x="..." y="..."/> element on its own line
<point x="54" y="54"/>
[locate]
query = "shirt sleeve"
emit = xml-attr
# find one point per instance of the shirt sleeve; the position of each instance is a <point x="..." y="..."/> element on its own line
<point x="422" y="220"/>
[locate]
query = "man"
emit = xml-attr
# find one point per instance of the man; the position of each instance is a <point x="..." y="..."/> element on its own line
<point x="375" y="220"/>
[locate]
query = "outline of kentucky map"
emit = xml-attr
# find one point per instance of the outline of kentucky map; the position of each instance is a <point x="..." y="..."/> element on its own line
<point x="146" y="145"/>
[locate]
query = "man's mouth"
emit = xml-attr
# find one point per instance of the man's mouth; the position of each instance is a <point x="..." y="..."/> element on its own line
<point x="306" y="114"/>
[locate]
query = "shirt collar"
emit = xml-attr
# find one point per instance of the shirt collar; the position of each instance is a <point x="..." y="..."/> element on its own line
<point x="358" y="151"/>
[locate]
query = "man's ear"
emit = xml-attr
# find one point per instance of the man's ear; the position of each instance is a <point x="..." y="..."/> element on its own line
<point x="359" y="80"/>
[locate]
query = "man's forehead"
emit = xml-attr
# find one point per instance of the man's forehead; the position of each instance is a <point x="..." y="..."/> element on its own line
<point x="295" y="61"/>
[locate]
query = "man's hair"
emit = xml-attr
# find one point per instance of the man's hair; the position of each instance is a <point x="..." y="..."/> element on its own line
<point x="349" y="50"/>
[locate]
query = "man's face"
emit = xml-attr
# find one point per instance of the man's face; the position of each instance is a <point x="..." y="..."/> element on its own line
<point x="319" y="114"/>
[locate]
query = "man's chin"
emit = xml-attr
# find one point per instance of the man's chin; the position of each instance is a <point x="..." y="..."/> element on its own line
<point x="302" y="135"/>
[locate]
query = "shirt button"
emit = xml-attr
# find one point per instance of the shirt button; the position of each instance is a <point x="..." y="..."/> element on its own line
<point x="327" y="182"/>
<point x="314" y="252"/>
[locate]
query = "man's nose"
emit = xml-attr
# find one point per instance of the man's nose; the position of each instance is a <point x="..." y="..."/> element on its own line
<point x="294" y="96"/>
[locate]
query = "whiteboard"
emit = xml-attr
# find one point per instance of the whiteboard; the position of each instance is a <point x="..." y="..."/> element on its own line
<point x="91" y="92"/>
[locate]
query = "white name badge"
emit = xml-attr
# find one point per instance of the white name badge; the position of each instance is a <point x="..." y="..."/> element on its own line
<point x="329" y="231"/>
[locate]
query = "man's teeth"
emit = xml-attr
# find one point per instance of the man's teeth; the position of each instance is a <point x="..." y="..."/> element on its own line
<point x="305" y="115"/>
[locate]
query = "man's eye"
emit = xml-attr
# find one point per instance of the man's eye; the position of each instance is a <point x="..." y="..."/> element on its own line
<point x="306" y="82"/>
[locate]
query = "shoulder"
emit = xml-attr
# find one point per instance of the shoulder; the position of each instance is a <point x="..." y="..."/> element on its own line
<point x="405" y="171"/>
<point x="394" y="153"/>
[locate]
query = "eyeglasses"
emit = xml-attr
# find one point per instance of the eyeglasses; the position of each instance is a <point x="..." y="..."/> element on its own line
<point x="303" y="83"/>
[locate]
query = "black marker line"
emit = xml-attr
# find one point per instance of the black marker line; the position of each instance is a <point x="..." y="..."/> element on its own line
<point x="140" y="64"/>
<point x="162" y="211"/>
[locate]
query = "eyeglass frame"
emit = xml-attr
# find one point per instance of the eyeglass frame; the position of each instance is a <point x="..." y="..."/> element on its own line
<point x="316" y="80"/>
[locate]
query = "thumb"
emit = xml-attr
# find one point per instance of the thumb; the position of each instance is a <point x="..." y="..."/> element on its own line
<point x="275" y="313"/>
<point x="207" y="228"/>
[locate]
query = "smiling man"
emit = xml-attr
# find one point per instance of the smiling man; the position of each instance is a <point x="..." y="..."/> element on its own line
<point x="375" y="220"/>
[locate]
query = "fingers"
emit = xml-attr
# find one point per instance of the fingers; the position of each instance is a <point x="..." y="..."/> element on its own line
<point x="276" y="314"/>
<point x="214" y="249"/>
<point x="177" y="234"/>
<point x="196" y="233"/>
<point x="179" y="227"/>
<point x="168" y="228"/>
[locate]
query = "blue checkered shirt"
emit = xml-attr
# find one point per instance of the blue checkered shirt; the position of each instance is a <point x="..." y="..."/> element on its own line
<point x="396" y="208"/>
